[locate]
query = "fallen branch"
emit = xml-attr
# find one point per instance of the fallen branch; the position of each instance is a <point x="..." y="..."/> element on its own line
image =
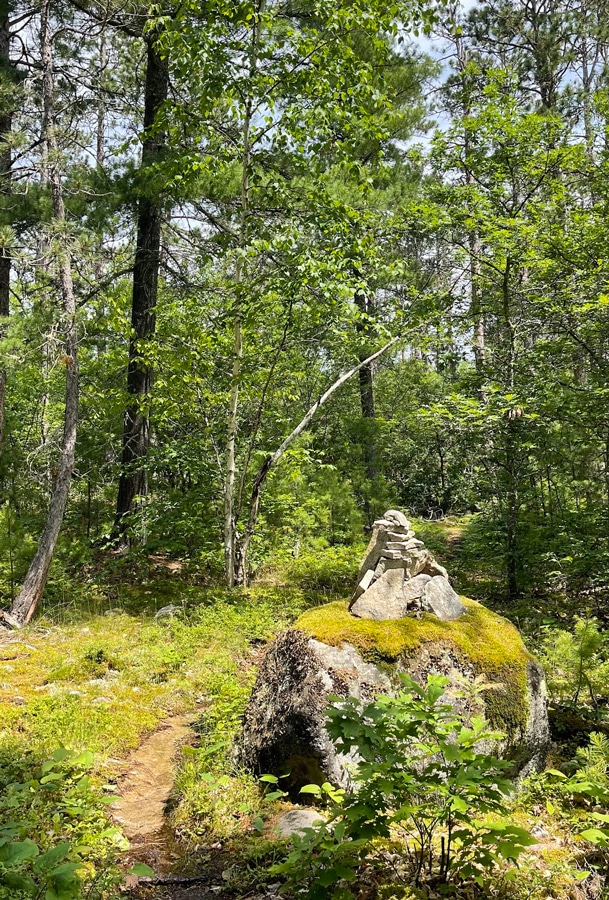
<point x="11" y="621"/>
<point x="271" y="461"/>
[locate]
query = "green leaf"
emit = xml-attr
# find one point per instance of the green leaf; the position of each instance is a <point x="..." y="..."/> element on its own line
<point x="84" y="760"/>
<point x="62" y="754"/>
<point x="19" y="883"/>
<point x="596" y="836"/>
<point x="18" y="852"/>
<point x="311" y="789"/>
<point x="142" y="870"/>
<point x="459" y="804"/>
<point x="48" y="860"/>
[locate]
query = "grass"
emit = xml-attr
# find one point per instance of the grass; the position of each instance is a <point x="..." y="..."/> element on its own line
<point x="98" y="671"/>
<point x="105" y="681"/>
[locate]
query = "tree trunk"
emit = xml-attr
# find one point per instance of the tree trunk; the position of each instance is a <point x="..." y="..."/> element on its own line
<point x="100" y="142"/>
<point x="512" y="514"/>
<point x="233" y="563"/>
<point x="511" y="460"/>
<point x="5" y="188"/>
<point x="133" y="480"/>
<point x="476" y="306"/>
<point x="473" y="238"/>
<point x="27" y="601"/>
<point x="366" y="394"/>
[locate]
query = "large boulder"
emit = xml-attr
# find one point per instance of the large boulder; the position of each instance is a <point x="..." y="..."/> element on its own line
<point x="332" y="652"/>
<point x="404" y="616"/>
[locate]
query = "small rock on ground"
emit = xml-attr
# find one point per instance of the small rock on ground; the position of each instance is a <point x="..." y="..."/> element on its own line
<point x="296" y="821"/>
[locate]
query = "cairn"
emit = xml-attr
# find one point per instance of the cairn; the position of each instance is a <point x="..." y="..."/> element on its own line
<point x="399" y="577"/>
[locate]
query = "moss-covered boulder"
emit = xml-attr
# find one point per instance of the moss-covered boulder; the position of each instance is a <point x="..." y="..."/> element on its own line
<point x="329" y="651"/>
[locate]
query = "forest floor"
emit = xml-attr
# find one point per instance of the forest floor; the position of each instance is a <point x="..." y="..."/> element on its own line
<point x="158" y="700"/>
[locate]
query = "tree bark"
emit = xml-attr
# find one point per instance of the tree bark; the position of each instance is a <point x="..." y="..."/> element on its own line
<point x="476" y="303"/>
<point x="231" y="537"/>
<point x="366" y="394"/>
<point x="476" y="312"/>
<point x="511" y="460"/>
<point x="26" y="602"/>
<point x="133" y="480"/>
<point x="5" y="189"/>
<point x="272" y="460"/>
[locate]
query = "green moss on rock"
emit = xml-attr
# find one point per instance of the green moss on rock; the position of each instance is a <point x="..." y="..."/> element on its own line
<point x="489" y="643"/>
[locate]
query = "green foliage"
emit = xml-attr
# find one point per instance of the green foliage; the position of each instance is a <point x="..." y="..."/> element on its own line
<point x="324" y="571"/>
<point x="577" y="800"/>
<point x="577" y="663"/>
<point x="55" y="839"/>
<point x="214" y="805"/>
<point x="422" y="782"/>
<point x="593" y="760"/>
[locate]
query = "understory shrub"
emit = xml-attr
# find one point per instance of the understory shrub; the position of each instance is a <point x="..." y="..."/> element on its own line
<point x="423" y="789"/>
<point x="577" y="663"/>
<point x="56" y="841"/>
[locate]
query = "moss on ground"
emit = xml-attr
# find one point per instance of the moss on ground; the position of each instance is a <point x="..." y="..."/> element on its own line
<point x="103" y="682"/>
<point x="490" y="643"/>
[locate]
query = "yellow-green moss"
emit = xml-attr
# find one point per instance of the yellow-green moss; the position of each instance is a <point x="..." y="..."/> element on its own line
<point x="492" y="645"/>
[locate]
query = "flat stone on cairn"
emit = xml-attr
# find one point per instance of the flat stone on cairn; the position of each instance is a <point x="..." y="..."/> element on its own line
<point x="399" y="577"/>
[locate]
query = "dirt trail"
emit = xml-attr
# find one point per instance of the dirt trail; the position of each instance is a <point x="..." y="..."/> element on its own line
<point x="145" y="788"/>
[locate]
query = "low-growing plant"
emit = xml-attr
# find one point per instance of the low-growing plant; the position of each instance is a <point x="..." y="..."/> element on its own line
<point x="422" y="783"/>
<point x="579" y="800"/>
<point x="593" y="760"/>
<point x="55" y="839"/>
<point x="577" y="663"/>
<point x="591" y="784"/>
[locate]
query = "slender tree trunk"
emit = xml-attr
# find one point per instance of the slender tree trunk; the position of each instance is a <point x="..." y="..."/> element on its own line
<point x="133" y="480"/>
<point x="475" y="307"/>
<point x="5" y="189"/>
<point x="512" y="515"/>
<point x="607" y="466"/>
<point x="27" y="600"/>
<point x="511" y="461"/>
<point x="476" y="304"/>
<point x="476" y="312"/>
<point x="272" y="460"/>
<point x="366" y="395"/>
<point x="232" y="564"/>
<point x="100" y="142"/>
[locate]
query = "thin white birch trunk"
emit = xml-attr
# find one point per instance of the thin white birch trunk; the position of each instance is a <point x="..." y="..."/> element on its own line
<point x="272" y="460"/>
<point x="230" y="513"/>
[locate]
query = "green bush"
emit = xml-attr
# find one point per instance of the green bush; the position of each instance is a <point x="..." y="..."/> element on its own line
<point x="55" y="839"/>
<point x="577" y="663"/>
<point x="422" y="785"/>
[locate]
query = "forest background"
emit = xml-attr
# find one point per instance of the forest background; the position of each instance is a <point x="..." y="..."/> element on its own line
<point x="276" y="175"/>
<point x="268" y="268"/>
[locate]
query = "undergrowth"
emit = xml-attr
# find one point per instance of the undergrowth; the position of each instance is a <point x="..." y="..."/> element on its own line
<point x="98" y="671"/>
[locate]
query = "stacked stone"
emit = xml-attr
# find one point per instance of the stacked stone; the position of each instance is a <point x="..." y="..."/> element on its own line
<point x="399" y="577"/>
